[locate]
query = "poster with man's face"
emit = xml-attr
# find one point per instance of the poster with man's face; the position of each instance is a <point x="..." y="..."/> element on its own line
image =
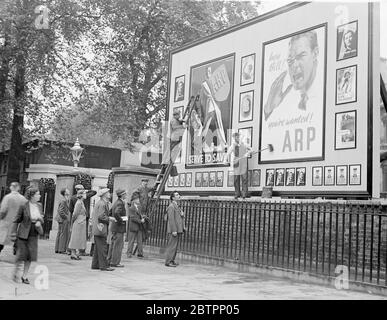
<point x="293" y="96"/>
<point x="211" y="118"/>
<point x="354" y="174"/>
<point x="179" y="88"/>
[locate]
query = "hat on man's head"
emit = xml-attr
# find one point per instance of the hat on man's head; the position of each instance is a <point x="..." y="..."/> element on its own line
<point x="135" y="195"/>
<point x="120" y="192"/>
<point x="79" y="187"/>
<point x="235" y="134"/>
<point x="103" y="191"/>
<point x="144" y="179"/>
<point x="176" y="111"/>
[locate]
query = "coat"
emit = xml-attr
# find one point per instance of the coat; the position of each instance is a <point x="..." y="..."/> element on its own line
<point x="73" y="201"/>
<point x="118" y="211"/>
<point x="10" y="206"/>
<point x="100" y="219"/>
<point x="175" y="219"/>
<point x="144" y="198"/>
<point x="135" y="217"/>
<point x="78" y="231"/>
<point x="22" y="223"/>
<point x="63" y="211"/>
<point x="240" y="166"/>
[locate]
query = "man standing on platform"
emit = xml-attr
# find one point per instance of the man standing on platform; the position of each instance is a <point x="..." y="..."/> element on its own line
<point x="100" y="231"/>
<point x="10" y="206"/>
<point x="118" y="229"/>
<point x="136" y="221"/>
<point x="241" y="152"/>
<point x="175" y="229"/>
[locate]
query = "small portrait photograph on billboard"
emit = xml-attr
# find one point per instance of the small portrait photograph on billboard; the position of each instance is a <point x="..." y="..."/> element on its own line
<point x="248" y="69"/>
<point x="341" y="175"/>
<point x="219" y="178"/>
<point x="170" y="181"/>
<point x="280" y="177"/>
<point x="176" y="181"/>
<point x="246" y="102"/>
<point x="292" y="99"/>
<point x="300" y="176"/>
<point x="329" y="176"/>
<point x="230" y="178"/>
<point x="205" y="179"/>
<point x="317" y="176"/>
<point x="347" y="40"/>
<point x="198" y="179"/>
<point x="188" y="179"/>
<point x="256" y="178"/>
<point x="245" y="136"/>
<point x="179" y="88"/>
<point x="270" y="177"/>
<point x="290" y="177"/>
<point x="345" y="130"/>
<point x="212" y="182"/>
<point x="346" y="80"/>
<point x="182" y="179"/>
<point x="355" y="174"/>
<point x="210" y="119"/>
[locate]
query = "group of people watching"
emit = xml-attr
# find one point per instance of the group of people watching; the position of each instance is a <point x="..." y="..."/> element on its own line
<point x="22" y="220"/>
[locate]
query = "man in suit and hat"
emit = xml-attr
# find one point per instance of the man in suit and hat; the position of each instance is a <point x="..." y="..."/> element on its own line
<point x="241" y="152"/>
<point x="118" y="229"/>
<point x="136" y="221"/>
<point x="101" y="220"/>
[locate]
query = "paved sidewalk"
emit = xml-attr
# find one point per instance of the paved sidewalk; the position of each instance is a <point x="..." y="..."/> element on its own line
<point x="149" y="279"/>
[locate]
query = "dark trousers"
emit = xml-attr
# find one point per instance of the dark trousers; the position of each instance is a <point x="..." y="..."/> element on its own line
<point x="115" y="248"/>
<point x="100" y="253"/>
<point x="62" y="237"/>
<point x="133" y="235"/>
<point x="1" y="247"/>
<point x="171" y="250"/>
<point x="237" y="184"/>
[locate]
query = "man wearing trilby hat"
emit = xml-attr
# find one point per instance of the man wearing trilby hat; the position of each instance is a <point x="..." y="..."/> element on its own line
<point x="118" y="229"/>
<point x="135" y="226"/>
<point x="100" y="231"/>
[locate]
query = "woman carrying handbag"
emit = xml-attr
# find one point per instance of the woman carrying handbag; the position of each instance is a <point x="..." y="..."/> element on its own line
<point x="78" y="233"/>
<point x="25" y="230"/>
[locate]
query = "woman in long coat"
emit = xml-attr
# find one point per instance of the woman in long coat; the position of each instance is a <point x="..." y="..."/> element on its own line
<point x="78" y="233"/>
<point x="27" y="226"/>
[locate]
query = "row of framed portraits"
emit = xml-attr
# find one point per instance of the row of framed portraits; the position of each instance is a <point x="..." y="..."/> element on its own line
<point x="328" y="176"/>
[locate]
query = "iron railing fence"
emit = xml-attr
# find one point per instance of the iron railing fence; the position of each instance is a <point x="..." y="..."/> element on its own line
<point x="306" y="236"/>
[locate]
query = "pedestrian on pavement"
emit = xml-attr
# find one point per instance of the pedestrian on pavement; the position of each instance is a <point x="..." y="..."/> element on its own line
<point x="100" y="225"/>
<point x="118" y="229"/>
<point x="9" y="208"/>
<point x="78" y="232"/>
<point x="136" y="221"/>
<point x="175" y="229"/>
<point x="26" y="228"/>
<point x="73" y="200"/>
<point x="63" y="219"/>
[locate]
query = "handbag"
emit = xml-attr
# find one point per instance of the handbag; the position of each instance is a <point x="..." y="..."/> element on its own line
<point x="39" y="228"/>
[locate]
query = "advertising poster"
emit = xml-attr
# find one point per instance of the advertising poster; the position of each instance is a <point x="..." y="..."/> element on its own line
<point x="346" y="79"/>
<point x="329" y="176"/>
<point x="290" y="176"/>
<point x="317" y="176"/>
<point x="345" y="130"/>
<point x="211" y="119"/>
<point x="280" y="177"/>
<point x="354" y="174"/>
<point x="247" y="69"/>
<point x="341" y="175"/>
<point x="198" y="179"/>
<point x="293" y="96"/>
<point x="179" y="88"/>
<point x="188" y="179"/>
<point x="347" y="41"/>
<point x="270" y="177"/>
<point x="219" y="179"/>
<point x="300" y="176"/>
<point x="246" y="103"/>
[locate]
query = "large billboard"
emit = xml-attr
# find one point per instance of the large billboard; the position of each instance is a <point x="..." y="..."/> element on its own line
<point x="303" y="78"/>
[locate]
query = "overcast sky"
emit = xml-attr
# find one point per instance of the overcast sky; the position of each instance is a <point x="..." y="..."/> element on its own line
<point x="269" y="5"/>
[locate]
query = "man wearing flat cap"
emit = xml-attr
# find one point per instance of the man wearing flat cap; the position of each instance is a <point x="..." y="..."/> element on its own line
<point x="241" y="153"/>
<point x="73" y="201"/>
<point x="100" y="231"/>
<point x="136" y="221"/>
<point x="118" y="229"/>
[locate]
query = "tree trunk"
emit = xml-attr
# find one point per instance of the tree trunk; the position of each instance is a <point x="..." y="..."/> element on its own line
<point x="16" y="152"/>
